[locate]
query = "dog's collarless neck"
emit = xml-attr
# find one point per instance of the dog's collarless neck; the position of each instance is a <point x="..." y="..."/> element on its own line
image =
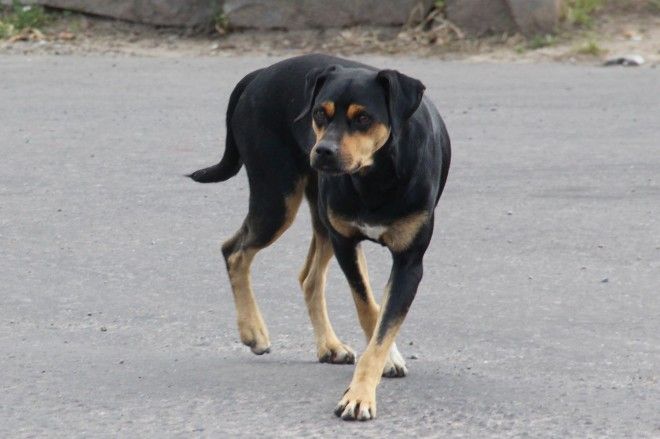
<point x="379" y="183"/>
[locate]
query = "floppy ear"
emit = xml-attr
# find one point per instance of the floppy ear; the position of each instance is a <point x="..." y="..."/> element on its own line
<point x="313" y="82"/>
<point x="404" y="95"/>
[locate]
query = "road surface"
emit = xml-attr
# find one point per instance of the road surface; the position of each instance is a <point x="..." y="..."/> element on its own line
<point x="538" y="315"/>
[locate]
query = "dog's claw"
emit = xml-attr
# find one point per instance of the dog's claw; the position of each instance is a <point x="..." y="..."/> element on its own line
<point x="395" y="367"/>
<point x="341" y="354"/>
<point x="359" y="405"/>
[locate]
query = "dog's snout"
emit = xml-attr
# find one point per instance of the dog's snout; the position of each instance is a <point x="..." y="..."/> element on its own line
<point x="325" y="150"/>
<point x="324" y="157"/>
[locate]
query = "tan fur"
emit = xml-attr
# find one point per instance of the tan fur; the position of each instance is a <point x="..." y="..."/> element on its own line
<point x="329" y="108"/>
<point x="319" y="131"/>
<point x="251" y="326"/>
<point x="353" y="110"/>
<point x="397" y="236"/>
<point x="367" y="309"/>
<point x="308" y="261"/>
<point x="313" y="280"/>
<point x="341" y="225"/>
<point x="402" y="232"/>
<point x="291" y="203"/>
<point x="357" y="149"/>
<point x="368" y="373"/>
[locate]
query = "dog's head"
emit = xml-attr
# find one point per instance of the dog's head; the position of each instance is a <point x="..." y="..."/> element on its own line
<point x="355" y="112"/>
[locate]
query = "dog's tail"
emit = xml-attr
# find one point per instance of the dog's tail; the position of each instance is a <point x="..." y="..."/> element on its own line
<point x="231" y="161"/>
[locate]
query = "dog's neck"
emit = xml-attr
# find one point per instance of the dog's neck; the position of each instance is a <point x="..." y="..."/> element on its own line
<point x="386" y="178"/>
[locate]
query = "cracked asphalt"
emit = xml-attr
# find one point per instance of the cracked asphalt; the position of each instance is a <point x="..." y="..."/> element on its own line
<point x="538" y="315"/>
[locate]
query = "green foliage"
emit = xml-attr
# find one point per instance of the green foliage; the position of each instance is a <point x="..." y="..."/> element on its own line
<point x="539" y="41"/>
<point x="20" y="17"/>
<point x="580" y="12"/>
<point x="6" y="30"/>
<point x="221" y="24"/>
<point x="591" y="47"/>
<point x="654" y="5"/>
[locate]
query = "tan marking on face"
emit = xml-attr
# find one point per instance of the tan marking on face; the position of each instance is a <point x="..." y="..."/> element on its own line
<point x="401" y="233"/>
<point x="357" y="149"/>
<point x="341" y="225"/>
<point x="319" y="131"/>
<point x="353" y="110"/>
<point x="329" y="108"/>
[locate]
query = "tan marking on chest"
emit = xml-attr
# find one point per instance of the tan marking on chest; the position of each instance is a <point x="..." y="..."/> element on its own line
<point x="401" y="233"/>
<point x="341" y="225"/>
<point x="397" y="236"/>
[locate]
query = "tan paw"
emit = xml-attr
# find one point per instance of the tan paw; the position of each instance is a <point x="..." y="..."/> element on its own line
<point x="336" y="353"/>
<point x="395" y="366"/>
<point x="254" y="336"/>
<point x="358" y="404"/>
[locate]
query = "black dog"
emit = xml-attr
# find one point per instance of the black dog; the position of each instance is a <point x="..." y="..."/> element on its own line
<point x="371" y="155"/>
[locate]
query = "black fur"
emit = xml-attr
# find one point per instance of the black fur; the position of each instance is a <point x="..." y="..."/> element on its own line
<point x="269" y="130"/>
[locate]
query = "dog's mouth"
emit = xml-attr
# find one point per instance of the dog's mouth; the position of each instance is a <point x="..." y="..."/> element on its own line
<point x="333" y="164"/>
<point x="334" y="168"/>
<point x="327" y="168"/>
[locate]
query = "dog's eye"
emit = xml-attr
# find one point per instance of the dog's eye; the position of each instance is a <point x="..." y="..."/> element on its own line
<point x="319" y="116"/>
<point x="363" y="120"/>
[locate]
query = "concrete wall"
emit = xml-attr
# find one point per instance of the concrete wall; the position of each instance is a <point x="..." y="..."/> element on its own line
<point x="476" y="17"/>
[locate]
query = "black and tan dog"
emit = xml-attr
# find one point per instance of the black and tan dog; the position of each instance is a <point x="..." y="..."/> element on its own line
<point x="371" y="155"/>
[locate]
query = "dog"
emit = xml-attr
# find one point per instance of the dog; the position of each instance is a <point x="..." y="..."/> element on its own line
<point x="371" y="155"/>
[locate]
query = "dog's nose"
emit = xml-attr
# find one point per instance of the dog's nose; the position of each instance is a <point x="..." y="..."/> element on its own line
<point x="325" y="157"/>
<point x="325" y="151"/>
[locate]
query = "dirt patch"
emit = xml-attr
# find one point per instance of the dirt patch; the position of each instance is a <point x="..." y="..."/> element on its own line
<point x="618" y="28"/>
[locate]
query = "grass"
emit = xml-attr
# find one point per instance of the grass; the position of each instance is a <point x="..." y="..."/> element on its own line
<point x="580" y="12"/>
<point x="540" y="41"/>
<point x="19" y="18"/>
<point x="654" y="5"/>
<point x="221" y="23"/>
<point x="592" y="48"/>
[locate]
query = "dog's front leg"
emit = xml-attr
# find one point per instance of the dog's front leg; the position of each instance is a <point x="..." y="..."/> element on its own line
<point x="359" y="400"/>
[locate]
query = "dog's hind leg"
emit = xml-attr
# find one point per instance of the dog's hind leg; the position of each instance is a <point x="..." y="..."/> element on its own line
<point x="271" y="212"/>
<point x="312" y="280"/>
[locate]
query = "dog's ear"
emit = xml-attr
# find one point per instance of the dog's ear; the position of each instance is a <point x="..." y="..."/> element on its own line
<point x="313" y="82"/>
<point x="404" y="95"/>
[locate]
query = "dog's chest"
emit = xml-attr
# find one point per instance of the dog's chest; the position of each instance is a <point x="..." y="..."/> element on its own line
<point x="372" y="231"/>
<point x="396" y="235"/>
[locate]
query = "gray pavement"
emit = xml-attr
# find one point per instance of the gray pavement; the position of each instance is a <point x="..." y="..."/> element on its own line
<point x="538" y="316"/>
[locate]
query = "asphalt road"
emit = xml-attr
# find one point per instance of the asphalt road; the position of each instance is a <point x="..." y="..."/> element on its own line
<point x="538" y="316"/>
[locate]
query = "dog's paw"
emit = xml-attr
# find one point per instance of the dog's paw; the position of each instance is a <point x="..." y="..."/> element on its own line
<point x="256" y="337"/>
<point x="395" y="366"/>
<point x="336" y="353"/>
<point x="357" y="404"/>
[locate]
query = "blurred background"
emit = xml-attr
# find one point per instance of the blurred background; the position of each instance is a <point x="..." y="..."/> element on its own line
<point x="621" y="31"/>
